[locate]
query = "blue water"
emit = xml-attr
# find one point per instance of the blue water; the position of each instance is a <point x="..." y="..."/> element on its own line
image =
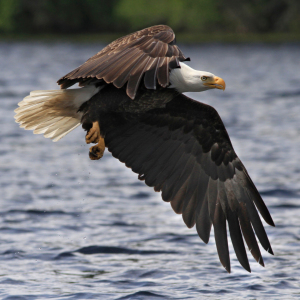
<point x="72" y="228"/>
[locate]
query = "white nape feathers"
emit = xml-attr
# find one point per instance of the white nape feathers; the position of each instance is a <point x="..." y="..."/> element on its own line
<point x="187" y="79"/>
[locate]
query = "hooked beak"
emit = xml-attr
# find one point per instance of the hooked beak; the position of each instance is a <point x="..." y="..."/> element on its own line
<point x="216" y="83"/>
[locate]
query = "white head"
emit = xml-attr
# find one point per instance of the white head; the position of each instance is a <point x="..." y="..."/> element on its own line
<point x="186" y="79"/>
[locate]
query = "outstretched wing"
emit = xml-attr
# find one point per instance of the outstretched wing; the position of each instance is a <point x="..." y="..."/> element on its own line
<point x="184" y="151"/>
<point x="151" y="51"/>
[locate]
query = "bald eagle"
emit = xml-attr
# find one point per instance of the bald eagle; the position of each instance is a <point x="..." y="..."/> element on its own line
<point x="130" y="100"/>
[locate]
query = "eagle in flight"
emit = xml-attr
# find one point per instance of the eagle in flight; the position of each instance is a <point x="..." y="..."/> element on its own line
<point x="130" y="100"/>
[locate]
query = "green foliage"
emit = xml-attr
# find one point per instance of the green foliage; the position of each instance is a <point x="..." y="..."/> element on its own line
<point x="63" y="16"/>
<point x="179" y="14"/>
<point x="8" y="10"/>
<point x="262" y="15"/>
<point x="108" y="16"/>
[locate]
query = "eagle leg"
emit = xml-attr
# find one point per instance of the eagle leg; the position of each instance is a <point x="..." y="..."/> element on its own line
<point x="93" y="136"/>
<point x="97" y="151"/>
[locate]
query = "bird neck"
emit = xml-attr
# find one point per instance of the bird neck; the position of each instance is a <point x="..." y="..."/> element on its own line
<point x="185" y="79"/>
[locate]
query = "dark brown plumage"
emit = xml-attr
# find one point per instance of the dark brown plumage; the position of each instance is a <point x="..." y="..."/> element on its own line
<point x="151" y="51"/>
<point x="184" y="151"/>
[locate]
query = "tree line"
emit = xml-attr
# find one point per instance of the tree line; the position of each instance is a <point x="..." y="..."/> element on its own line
<point x="112" y="16"/>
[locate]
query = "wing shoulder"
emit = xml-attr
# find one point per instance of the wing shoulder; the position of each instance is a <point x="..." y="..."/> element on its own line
<point x="150" y="52"/>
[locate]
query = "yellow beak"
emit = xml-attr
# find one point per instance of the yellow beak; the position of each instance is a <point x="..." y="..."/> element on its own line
<point x="217" y="83"/>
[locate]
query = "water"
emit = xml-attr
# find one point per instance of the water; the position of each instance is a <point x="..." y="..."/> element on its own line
<point x="71" y="228"/>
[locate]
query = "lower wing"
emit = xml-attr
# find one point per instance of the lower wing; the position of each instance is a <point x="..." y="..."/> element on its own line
<point x="184" y="151"/>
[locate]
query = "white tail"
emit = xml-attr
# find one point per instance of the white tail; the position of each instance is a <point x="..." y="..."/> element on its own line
<point x="53" y="113"/>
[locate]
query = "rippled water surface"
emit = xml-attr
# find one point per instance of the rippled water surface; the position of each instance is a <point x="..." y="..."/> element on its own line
<point x="71" y="228"/>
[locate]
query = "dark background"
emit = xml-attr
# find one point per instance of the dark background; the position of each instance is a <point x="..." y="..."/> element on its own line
<point x="189" y="17"/>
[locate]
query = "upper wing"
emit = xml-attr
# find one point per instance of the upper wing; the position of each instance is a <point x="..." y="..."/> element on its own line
<point x="151" y="51"/>
<point x="184" y="151"/>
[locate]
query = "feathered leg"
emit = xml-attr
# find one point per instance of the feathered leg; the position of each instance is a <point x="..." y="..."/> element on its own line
<point x="93" y="136"/>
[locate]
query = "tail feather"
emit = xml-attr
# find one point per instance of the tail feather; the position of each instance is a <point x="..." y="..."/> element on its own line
<point x="32" y="125"/>
<point x="54" y="127"/>
<point x="60" y="133"/>
<point x="42" y="128"/>
<point x="54" y="112"/>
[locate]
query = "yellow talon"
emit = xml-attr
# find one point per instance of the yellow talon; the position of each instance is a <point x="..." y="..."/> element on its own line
<point x="93" y="136"/>
<point x="97" y="151"/>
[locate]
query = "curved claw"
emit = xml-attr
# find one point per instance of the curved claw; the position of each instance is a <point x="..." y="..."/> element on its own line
<point x="97" y="151"/>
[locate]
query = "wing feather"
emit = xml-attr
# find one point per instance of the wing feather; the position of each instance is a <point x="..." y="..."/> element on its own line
<point x="184" y="151"/>
<point x="203" y="222"/>
<point x="118" y="61"/>
<point x="237" y="239"/>
<point x="150" y="75"/>
<point x="219" y="223"/>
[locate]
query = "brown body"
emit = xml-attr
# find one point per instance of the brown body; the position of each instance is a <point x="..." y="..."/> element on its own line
<point x="113" y="100"/>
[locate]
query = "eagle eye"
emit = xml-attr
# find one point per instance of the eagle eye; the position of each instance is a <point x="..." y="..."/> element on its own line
<point x="203" y="78"/>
